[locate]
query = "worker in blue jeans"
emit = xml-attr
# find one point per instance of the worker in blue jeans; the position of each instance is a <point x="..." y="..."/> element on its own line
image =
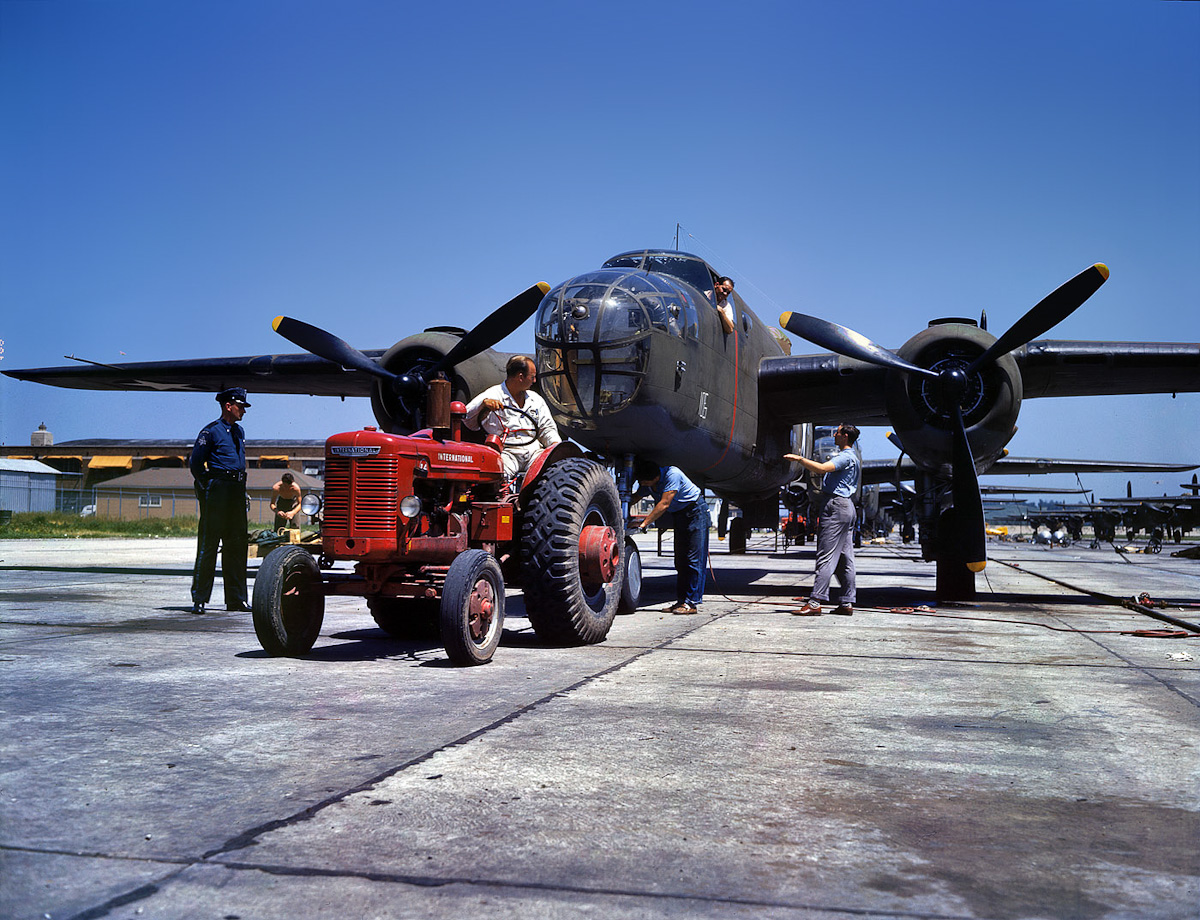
<point x="674" y="492"/>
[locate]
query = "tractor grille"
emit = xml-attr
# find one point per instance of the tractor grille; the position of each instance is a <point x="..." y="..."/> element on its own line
<point x="360" y="494"/>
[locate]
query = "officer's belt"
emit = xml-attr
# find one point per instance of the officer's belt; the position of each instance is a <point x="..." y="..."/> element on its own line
<point x="227" y="475"/>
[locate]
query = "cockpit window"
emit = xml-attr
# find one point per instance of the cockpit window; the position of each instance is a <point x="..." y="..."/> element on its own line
<point x="693" y="271"/>
<point x="686" y="267"/>
<point x="624" y="262"/>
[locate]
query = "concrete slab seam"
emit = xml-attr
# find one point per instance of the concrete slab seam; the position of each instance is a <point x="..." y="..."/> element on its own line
<point x="430" y="882"/>
<point x="248" y="837"/>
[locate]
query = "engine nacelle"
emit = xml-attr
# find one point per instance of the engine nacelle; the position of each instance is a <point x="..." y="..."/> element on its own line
<point x="402" y="414"/>
<point x="919" y="413"/>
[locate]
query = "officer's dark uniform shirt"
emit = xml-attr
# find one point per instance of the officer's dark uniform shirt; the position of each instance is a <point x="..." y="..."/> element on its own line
<point x="222" y="446"/>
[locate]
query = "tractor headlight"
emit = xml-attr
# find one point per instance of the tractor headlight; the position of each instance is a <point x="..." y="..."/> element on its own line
<point x="311" y="504"/>
<point x="410" y="506"/>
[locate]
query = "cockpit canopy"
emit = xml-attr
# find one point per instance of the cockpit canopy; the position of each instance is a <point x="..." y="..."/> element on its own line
<point x="686" y="267"/>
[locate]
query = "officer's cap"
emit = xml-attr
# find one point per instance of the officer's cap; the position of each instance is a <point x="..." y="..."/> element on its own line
<point x="233" y="395"/>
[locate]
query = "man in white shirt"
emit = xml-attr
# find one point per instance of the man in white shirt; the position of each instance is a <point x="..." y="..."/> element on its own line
<point x="525" y="432"/>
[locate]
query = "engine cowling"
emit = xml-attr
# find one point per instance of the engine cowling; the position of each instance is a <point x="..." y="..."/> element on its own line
<point x="415" y="355"/>
<point x="919" y="412"/>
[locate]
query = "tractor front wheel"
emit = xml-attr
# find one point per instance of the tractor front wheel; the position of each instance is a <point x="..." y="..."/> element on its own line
<point x="288" y="606"/>
<point x="472" y="610"/>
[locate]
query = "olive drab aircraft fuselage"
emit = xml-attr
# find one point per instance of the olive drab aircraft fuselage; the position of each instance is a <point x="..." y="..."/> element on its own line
<point x="633" y="360"/>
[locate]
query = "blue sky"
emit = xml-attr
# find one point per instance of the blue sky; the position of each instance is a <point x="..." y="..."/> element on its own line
<point x="174" y="175"/>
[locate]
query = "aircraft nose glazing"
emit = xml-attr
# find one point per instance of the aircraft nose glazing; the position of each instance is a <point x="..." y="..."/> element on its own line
<point x="593" y="336"/>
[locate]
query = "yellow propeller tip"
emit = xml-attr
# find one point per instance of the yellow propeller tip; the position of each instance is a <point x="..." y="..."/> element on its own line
<point x="1102" y="269"/>
<point x="543" y="287"/>
<point x="784" y="318"/>
<point x="275" y="323"/>
<point x="977" y="566"/>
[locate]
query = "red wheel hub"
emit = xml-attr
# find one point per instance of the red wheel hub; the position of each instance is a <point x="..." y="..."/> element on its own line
<point x="482" y="609"/>
<point x="599" y="553"/>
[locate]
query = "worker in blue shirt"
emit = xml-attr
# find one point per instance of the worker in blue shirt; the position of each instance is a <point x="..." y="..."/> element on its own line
<point x="218" y="464"/>
<point x="835" y="529"/>
<point x="674" y="492"/>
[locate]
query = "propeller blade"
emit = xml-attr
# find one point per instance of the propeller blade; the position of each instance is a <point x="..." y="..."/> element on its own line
<point x="843" y="341"/>
<point x="968" y="501"/>
<point x="1046" y="314"/>
<point x="328" y="346"/>
<point x="501" y="322"/>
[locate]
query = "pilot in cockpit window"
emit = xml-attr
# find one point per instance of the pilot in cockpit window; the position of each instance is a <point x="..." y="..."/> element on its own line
<point x="722" y="288"/>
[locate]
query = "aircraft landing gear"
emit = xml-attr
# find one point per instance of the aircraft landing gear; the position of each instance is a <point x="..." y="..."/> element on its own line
<point x="955" y="582"/>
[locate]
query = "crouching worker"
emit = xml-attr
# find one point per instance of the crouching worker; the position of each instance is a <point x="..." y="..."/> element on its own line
<point x="512" y="411"/>
<point x="285" y="502"/>
<point x="675" y="493"/>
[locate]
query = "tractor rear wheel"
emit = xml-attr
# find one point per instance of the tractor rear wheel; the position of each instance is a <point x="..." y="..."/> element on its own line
<point x="288" y="606"/>
<point x="573" y="553"/>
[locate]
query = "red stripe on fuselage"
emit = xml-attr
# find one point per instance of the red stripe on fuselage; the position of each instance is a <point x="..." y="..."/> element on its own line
<point x="733" y="420"/>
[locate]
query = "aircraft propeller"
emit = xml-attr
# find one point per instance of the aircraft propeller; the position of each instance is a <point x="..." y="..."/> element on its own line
<point x="954" y="384"/>
<point x="498" y="324"/>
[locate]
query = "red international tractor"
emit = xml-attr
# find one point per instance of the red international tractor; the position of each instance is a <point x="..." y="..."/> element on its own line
<point x="433" y="531"/>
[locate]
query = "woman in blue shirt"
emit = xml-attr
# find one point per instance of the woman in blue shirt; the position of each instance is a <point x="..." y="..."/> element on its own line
<point x="835" y="532"/>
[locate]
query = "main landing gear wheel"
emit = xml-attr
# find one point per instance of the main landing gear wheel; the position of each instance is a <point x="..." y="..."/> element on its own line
<point x="472" y="610"/>
<point x="631" y="587"/>
<point x="737" y="536"/>
<point x="571" y="540"/>
<point x="288" y="606"/>
<point x="953" y="581"/>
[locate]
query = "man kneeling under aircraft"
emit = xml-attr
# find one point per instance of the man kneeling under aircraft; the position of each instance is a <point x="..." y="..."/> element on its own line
<point x="673" y="492"/>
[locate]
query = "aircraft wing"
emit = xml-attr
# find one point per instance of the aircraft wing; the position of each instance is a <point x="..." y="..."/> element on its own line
<point x="880" y="471"/>
<point x="1067" y="368"/>
<point x="1164" y="501"/>
<point x="291" y="373"/>
<point x="793" y="388"/>
<point x="800" y="388"/>
<point x="1028" y="490"/>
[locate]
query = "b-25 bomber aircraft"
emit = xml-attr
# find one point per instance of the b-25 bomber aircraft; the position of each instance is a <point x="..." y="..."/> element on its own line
<point x="633" y="361"/>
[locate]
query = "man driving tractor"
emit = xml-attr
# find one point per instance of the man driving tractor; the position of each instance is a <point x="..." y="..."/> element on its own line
<point x="517" y="415"/>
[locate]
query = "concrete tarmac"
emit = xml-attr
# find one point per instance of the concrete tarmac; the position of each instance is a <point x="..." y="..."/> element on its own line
<point x="1017" y="757"/>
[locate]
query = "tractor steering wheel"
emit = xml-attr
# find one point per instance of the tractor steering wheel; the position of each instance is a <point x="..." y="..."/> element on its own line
<point x="532" y="421"/>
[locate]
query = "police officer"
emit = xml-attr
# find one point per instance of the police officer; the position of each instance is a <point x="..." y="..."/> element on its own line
<point x="218" y="464"/>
